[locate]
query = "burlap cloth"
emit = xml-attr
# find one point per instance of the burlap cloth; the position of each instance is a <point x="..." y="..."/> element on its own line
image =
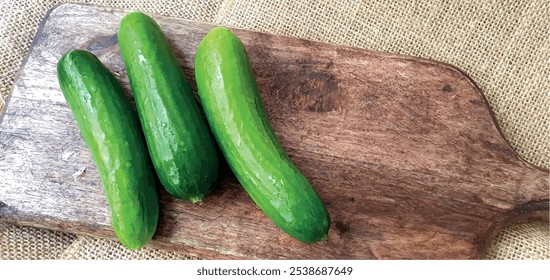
<point x="503" y="45"/>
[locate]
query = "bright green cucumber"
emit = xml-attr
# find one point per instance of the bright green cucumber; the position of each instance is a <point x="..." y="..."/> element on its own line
<point x="177" y="135"/>
<point x="111" y="130"/>
<point x="234" y="110"/>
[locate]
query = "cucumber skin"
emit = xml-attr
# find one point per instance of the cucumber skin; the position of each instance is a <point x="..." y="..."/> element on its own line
<point x="111" y="130"/>
<point x="234" y="110"/>
<point x="177" y="135"/>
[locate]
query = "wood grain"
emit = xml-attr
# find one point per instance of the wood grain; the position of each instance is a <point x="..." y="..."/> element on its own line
<point x="404" y="151"/>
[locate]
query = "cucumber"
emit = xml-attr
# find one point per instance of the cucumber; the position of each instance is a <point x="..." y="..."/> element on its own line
<point x="178" y="138"/>
<point x="111" y="130"/>
<point x="233" y="108"/>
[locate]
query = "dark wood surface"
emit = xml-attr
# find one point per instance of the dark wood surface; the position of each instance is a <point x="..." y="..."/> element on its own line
<point x="404" y="151"/>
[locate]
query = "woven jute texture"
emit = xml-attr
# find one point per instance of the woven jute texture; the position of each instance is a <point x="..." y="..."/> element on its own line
<point x="32" y="243"/>
<point x="88" y="248"/>
<point x="503" y="45"/>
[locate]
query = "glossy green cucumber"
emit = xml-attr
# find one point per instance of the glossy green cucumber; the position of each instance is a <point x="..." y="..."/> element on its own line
<point x="111" y="130"/>
<point x="234" y="110"/>
<point x="177" y="135"/>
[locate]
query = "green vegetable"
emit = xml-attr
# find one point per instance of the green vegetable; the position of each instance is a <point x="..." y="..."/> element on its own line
<point x="234" y="110"/>
<point x="179" y="141"/>
<point x="111" y="131"/>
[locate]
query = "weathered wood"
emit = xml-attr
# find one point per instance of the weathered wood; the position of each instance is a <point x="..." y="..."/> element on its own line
<point x="404" y="151"/>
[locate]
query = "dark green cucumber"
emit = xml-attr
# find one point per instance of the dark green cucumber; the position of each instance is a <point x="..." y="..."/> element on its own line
<point x="177" y="135"/>
<point x="234" y="110"/>
<point x="111" y="130"/>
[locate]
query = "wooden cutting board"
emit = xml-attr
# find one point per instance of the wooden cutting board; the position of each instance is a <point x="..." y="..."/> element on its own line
<point x="405" y="152"/>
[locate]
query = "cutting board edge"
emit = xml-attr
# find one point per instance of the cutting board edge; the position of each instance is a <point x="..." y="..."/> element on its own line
<point x="536" y="211"/>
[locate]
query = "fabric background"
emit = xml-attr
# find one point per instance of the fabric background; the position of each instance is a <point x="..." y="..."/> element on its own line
<point x="503" y="45"/>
